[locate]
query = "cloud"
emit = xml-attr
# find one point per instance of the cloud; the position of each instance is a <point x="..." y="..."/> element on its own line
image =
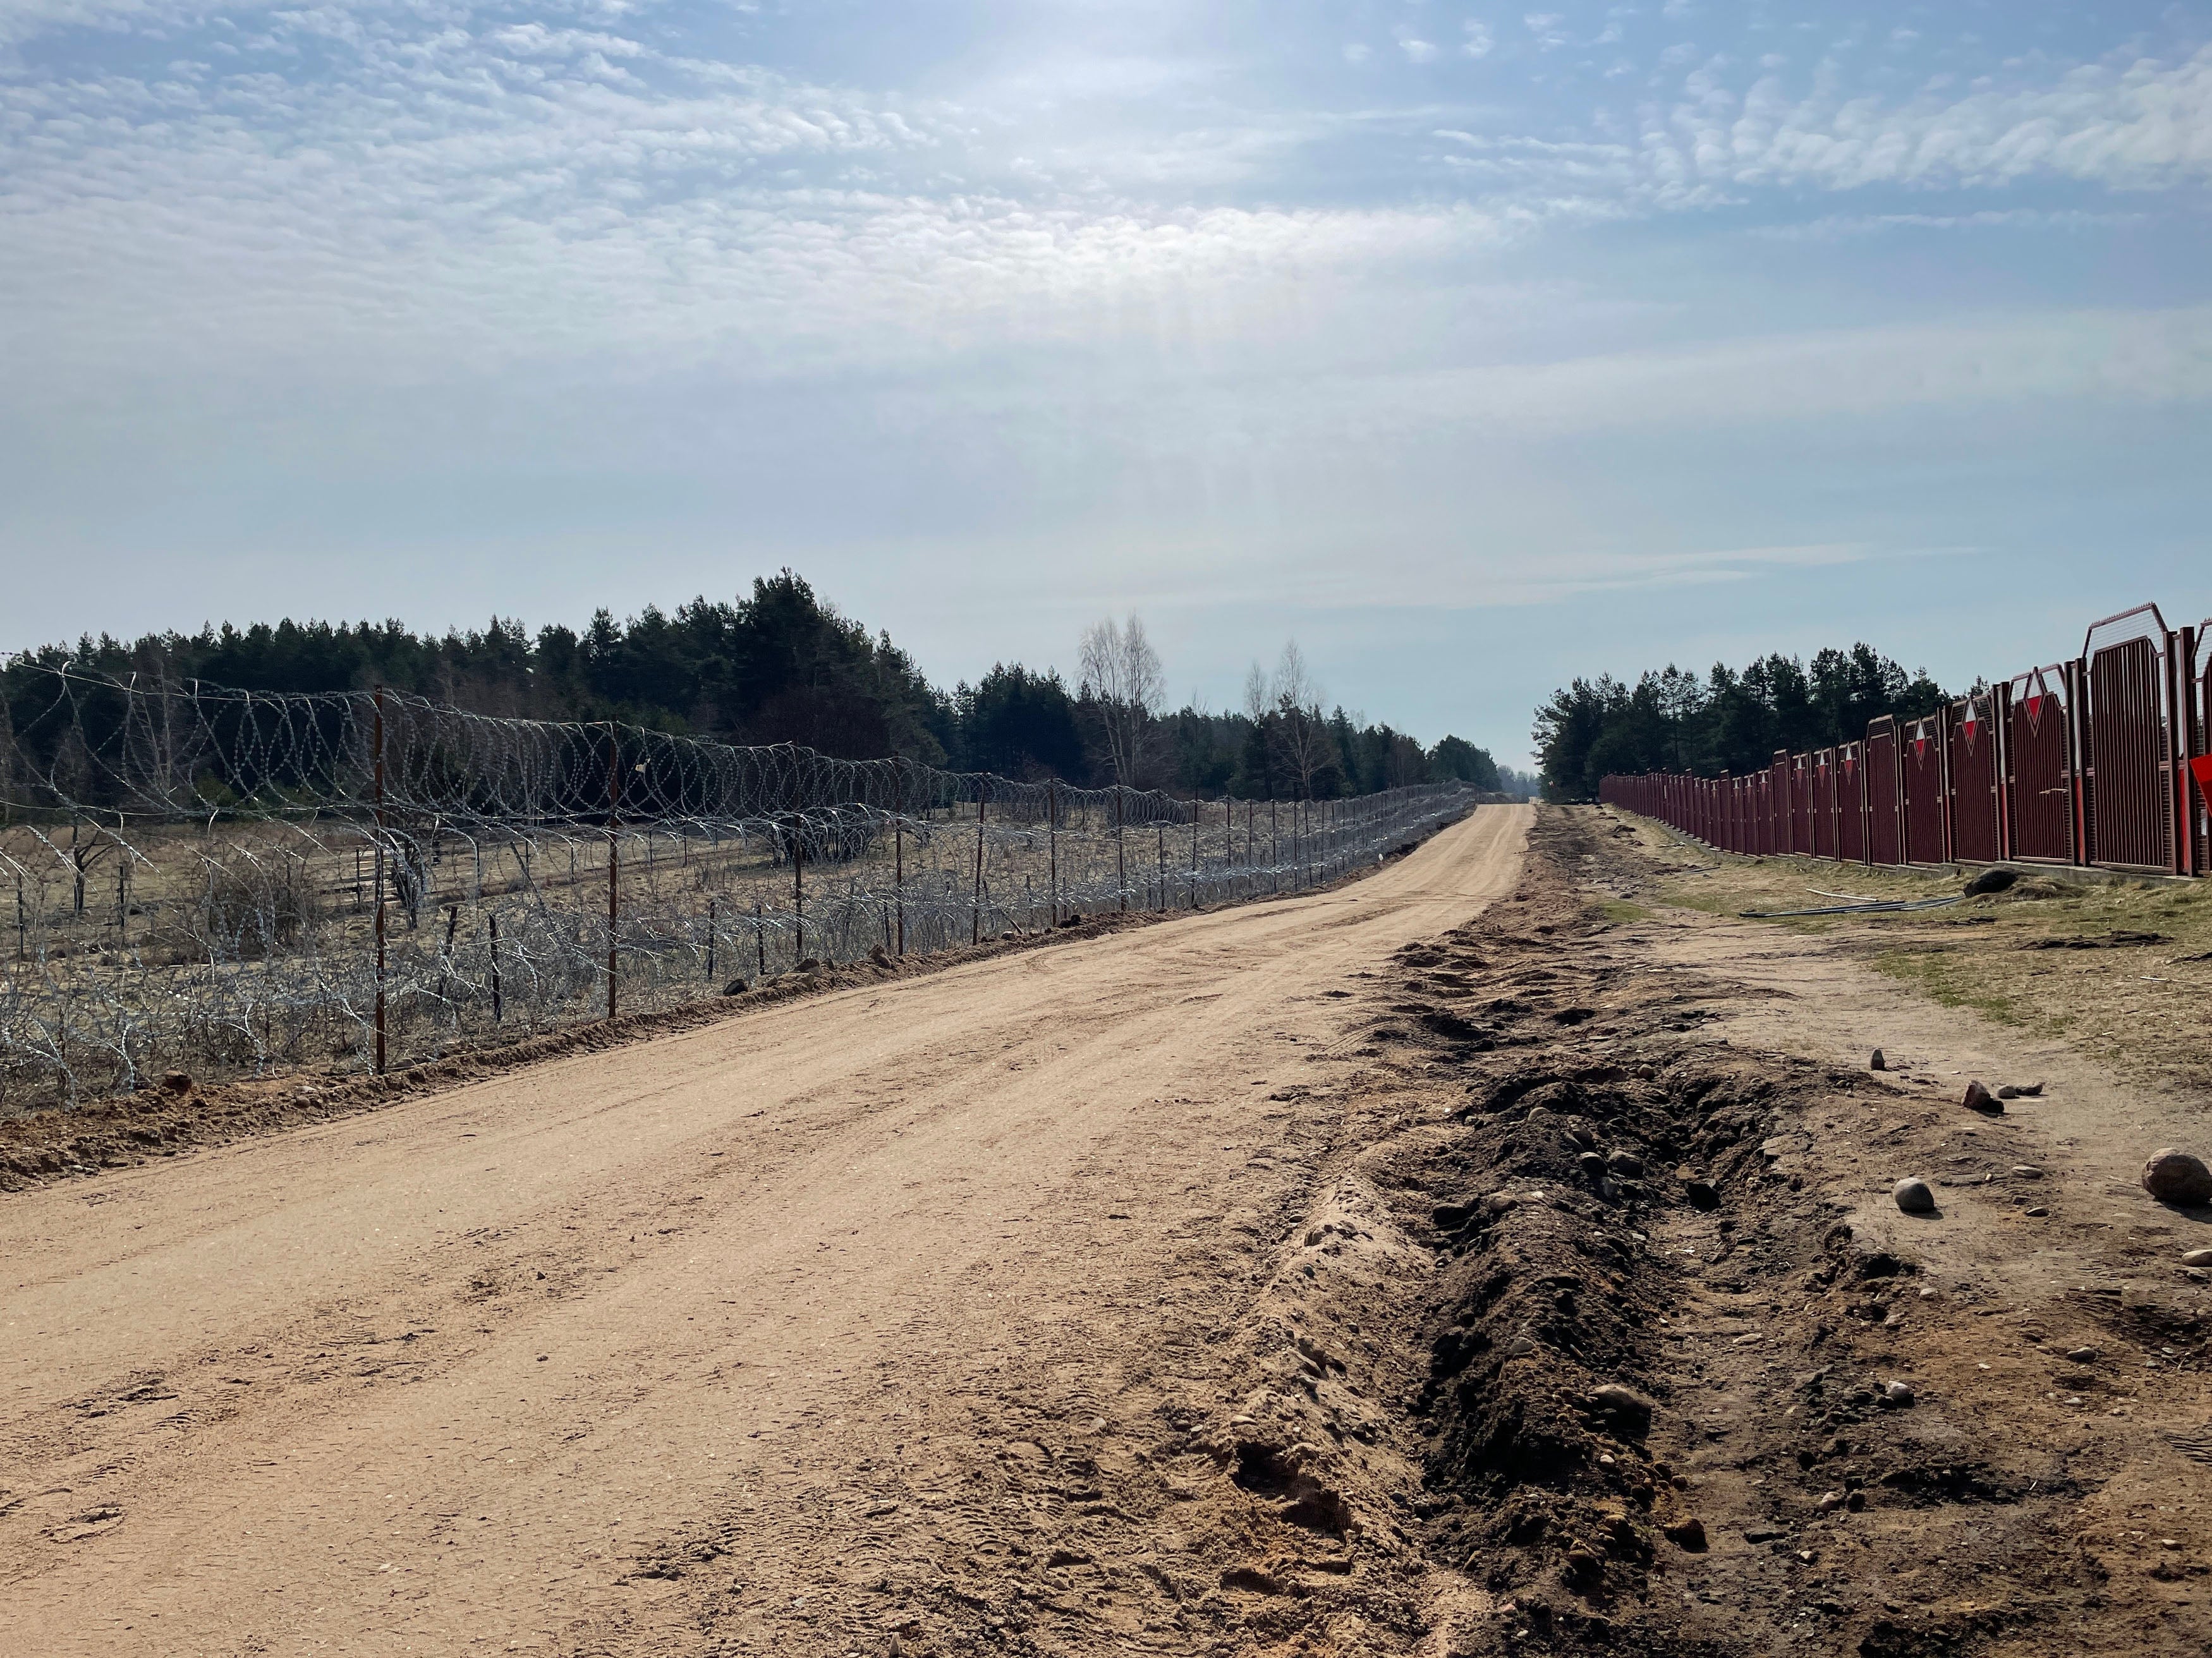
<point x="1417" y="50"/>
<point x="1478" y="42"/>
<point x="1546" y="26"/>
<point x="2133" y="126"/>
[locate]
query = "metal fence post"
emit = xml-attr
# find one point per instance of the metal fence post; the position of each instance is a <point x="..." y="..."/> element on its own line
<point x="1052" y="842"/>
<point x="1197" y="810"/>
<point x="614" y="860"/>
<point x="798" y="894"/>
<point x="1121" y="857"/>
<point x="976" y="902"/>
<point x="380" y="880"/>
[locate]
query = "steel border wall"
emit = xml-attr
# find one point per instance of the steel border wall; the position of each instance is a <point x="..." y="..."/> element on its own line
<point x="2102" y="760"/>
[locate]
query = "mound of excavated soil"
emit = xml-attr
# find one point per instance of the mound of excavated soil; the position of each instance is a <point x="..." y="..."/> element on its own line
<point x="1578" y="1353"/>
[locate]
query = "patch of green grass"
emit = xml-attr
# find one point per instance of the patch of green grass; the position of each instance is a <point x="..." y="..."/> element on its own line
<point x="1938" y="976"/>
<point x="1615" y="909"/>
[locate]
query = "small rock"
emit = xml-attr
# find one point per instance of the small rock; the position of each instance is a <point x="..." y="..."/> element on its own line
<point x="1701" y="1194"/>
<point x="1913" y="1197"/>
<point x="736" y="988"/>
<point x="2036" y="1213"/>
<point x="1831" y="1502"/>
<point x="2197" y="1258"/>
<point x="1980" y="1098"/>
<point x="1498" y="1202"/>
<point x="176" y="1082"/>
<point x="2028" y="1090"/>
<point x="1896" y="1395"/>
<point x="2082" y="1356"/>
<point x="1992" y="880"/>
<point x="2026" y="1171"/>
<point x="879" y="955"/>
<point x="1624" y="1163"/>
<point x="2007" y="1092"/>
<point x="2177" y="1177"/>
<point x="1590" y="1163"/>
<point x="1878" y="1063"/>
<point x="1628" y="1410"/>
<point x="1687" y="1534"/>
<point x="809" y="965"/>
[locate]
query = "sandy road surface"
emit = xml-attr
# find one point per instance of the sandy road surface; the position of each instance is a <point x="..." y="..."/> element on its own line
<point x="680" y="1347"/>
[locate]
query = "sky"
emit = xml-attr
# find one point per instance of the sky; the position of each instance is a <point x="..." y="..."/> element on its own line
<point x="1474" y="348"/>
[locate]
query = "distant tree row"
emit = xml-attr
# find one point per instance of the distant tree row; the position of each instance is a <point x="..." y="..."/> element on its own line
<point x="785" y="665"/>
<point x="1725" y="722"/>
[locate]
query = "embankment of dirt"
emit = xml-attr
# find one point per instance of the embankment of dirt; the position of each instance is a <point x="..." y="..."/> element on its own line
<point x="1574" y="1354"/>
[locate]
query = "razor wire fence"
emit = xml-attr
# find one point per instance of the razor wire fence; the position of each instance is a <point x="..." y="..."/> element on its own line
<point x="231" y="883"/>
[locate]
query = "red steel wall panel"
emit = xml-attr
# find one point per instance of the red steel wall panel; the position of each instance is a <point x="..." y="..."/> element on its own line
<point x="1970" y="737"/>
<point x="1885" y="821"/>
<point x="2039" y="772"/>
<point x="1920" y="759"/>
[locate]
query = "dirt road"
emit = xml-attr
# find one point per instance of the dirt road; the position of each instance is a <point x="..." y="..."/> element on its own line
<point x="751" y="1338"/>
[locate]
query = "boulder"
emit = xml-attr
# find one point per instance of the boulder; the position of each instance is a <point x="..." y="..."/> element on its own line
<point x="1913" y="1197"/>
<point x="2177" y="1177"/>
<point x="1980" y="1098"/>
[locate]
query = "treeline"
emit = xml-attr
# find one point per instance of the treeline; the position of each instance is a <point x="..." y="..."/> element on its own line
<point x="784" y="665"/>
<point x="1724" y="722"/>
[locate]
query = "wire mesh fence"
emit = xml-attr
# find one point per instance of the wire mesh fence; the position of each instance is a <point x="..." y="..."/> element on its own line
<point x="230" y="883"/>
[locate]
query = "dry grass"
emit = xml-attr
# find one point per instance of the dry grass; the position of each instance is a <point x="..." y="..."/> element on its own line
<point x="2141" y="1007"/>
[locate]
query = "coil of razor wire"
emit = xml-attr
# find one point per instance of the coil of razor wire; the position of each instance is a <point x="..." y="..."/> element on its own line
<point x="200" y="876"/>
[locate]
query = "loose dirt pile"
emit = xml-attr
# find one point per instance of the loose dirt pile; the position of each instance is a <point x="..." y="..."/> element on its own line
<point x="1580" y="1353"/>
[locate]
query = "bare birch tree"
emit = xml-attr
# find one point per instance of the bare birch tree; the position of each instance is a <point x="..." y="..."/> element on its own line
<point x="1301" y="736"/>
<point x="1121" y="673"/>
